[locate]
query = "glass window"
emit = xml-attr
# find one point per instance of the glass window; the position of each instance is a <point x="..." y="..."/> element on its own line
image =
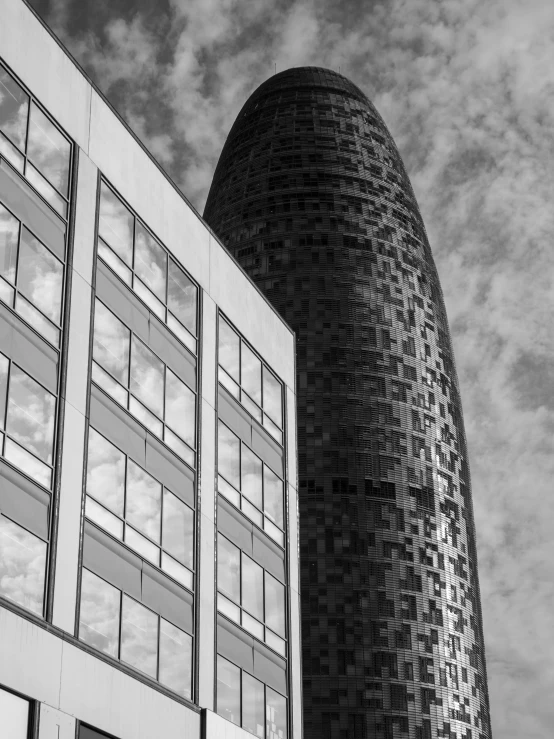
<point x="31" y="278"/>
<point x="136" y="256"/>
<point x="14" y="711"/>
<point x="264" y="711"/>
<point x="228" y="690"/>
<point x="139" y="636"/>
<point x="33" y="144"/>
<point x="114" y="623"/>
<point x="99" y="615"/>
<point x="22" y="566"/>
<point x="253" y="708"/>
<point x="276" y="715"/>
<point x="175" y="659"/>
<point x="29" y="423"/>
<point x="248" y="380"/>
<point x="158" y="398"/>
<point x="126" y="501"/>
<point x="250" y="484"/>
<point x="259" y="596"/>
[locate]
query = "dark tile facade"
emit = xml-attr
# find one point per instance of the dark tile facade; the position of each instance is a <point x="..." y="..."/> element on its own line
<point x="311" y="197"/>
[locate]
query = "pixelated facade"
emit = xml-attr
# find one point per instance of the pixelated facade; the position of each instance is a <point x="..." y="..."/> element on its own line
<point x="311" y="197"/>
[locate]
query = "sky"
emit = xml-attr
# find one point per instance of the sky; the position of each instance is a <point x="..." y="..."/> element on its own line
<point x="466" y="88"/>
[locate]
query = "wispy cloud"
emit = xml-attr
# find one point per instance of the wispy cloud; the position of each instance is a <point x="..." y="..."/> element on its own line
<point x="466" y="88"/>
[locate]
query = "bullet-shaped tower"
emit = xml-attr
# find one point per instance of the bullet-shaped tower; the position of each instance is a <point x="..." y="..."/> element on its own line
<point x="311" y="197"/>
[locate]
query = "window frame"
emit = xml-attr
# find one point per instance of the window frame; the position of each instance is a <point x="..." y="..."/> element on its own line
<point x="192" y="346"/>
<point x="226" y="381"/>
<point x="5" y="434"/>
<point x="191" y="461"/>
<point x="220" y="488"/>
<point x="16" y="290"/>
<point x="220" y="594"/>
<point x="27" y="159"/>
<point x="159" y="546"/>
<point x="124" y="594"/>
<point x="32" y="706"/>
<point x="265" y="688"/>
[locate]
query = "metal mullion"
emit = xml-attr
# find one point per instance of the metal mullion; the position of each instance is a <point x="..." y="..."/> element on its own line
<point x="158" y="644"/>
<point x="27" y="128"/>
<point x="120" y="630"/>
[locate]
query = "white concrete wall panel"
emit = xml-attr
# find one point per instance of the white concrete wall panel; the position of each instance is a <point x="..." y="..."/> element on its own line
<point x="219" y="728"/>
<point x="110" y="700"/>
<point x="45" y="68"/>
<point x="76" y="390"/>
<point x="54" y="724"/>
<point x="209" y="349"/>
<point x="291" y="437"/>
<point x="85" y="218"/>
<point x="259" y="323"/>
<point x="30" y="658"/>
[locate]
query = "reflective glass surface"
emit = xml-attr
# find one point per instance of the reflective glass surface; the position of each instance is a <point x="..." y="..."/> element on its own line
<point x="253" y="705"/>
<point x="9" y="234"/>
<point x="150" y="262"/>
<point x="147" y="377"/>
<point x="115" y="224"/>
<point x="144" y="498"/>
<point x="273" y="396"/>
<point x="105" y="472"/>
<point x="274" y="604"/>
<point x="49" y="150"/>
<point x="251" y="374"/>
<point x="99" y="614"/>
<point x="139" y="636"/>
<point x="276" y="715"/>
<point x="229" y="350"/>
<point x="178" y="528"/>
<point x="251" y="477"/>
<point x="111" y="343"/>
<point x="228" y="455"/>
<point x="228" y="568"/>
<point x="4" y="367"/>
<point x="180" y="405"/>
<point x="40" y="276"/>
<point x="182" y="297"/>
<point x="31" y="414"/>
<point x="252" y="588"/>
<point x="14" y="713"/>
<point x="14" y="109"/>
<point x="22" y="566"/>
<point x="228" y="690"/>
<point x="175" y="659"/>
<point x="273" y="497"/>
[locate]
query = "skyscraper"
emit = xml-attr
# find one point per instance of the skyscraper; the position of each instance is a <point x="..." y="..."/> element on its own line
<point x="311" y="197"/>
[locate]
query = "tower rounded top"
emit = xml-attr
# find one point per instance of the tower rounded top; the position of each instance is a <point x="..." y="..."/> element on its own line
<point x="312" y="77"/>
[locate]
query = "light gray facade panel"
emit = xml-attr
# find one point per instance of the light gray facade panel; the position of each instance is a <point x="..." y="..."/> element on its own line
<point x="27" y="349"/>
<point x="23" y="501"/>
<point x="269" y="668"/>
<point x="167" y="598"/>
<point x="268" y="555"/>
<point x="107" y="558"/>
<point x="117" y="425"/>
<point x="29" y="208"/>
<point x="235" y="645"/>
<point x="111" y="291"/>
<point x="169" y="470"/>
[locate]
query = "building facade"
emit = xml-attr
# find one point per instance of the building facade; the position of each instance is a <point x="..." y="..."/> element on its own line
<point x="148" y="504"/>
<point x="311" y="197"/>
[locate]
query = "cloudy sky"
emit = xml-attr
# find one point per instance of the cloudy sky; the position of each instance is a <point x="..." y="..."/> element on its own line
<point x="467" y="90"/>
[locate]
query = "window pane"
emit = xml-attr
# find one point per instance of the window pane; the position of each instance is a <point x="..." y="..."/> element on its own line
<point x="105" y="472"/>
<point x="150" y="261"/>
<point x="50" y="194"/>
<point x="109" y="385"/>
<point x="115" y="224"/>
<point x="178" y="528"/>
<point x="115" y="262"/>
<point x="149" y="298"/>
<point x="273" y="497"/>
<point x="228" y="690"/>
<point x="9" y="232"/>
<point x="111" y="343"/>
<point x="144" y="501"/>
<point x="181" y="297"/>
<point x="147" y="377"/>
<point x="151" y="421"/>
<point x="139" y="637"/>
<point x="14" y="712"/>
<point x="4" y="366"/>
<point x="175" y="658"/>
<point x="31" y="411"/>
<point x="228" y="455"/>
<point x="276" y="715"/>
<point x="40" y="276"/>
<point x="180" y="404"/>
<point x="99" y="617"/>
<point x="228" y="568"/>
<point x="28" y="463"/>
<point x="253" y="705"/>
<point x="35" y="318"/>
<point x="252" y="587"/>
<point x="251" y="374"/>
<point x="176" y="571"/>
<point x="229" y="350"/>
<point x="274" y="604"/>
<point x="142" y="545"/>
<point x="49" y="150"/>
<point x="14" y="109"/>
<point x="106" y="520"/>
<point x="9" y="152"/>
<point x="273" y="397"/>
<point x="22" y="566"/>
<point x="251" y="473"/>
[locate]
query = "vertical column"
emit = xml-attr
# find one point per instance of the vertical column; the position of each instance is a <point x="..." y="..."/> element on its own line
<point x="294" y="566"/>
<point x="206" y="504"/>
<point x="67" y="554"/>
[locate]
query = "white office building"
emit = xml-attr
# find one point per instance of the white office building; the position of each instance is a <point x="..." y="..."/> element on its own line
<point x="148" y="501"/>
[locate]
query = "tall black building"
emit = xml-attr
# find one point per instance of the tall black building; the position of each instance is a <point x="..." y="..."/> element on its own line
<point x="311" y="196"/>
